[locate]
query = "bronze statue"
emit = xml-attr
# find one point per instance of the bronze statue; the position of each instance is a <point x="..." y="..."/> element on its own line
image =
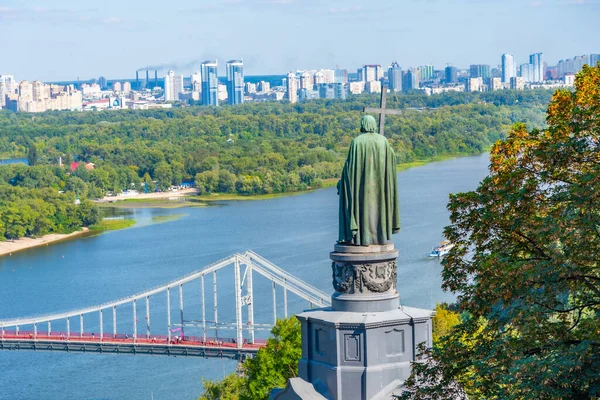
<point x="369" y="206"/>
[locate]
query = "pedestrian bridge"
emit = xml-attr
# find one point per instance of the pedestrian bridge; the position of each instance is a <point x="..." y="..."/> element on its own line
<point x="216" y="335"/>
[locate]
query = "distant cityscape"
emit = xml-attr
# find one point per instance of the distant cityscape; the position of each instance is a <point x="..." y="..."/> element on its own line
<point x="205" y="87"/>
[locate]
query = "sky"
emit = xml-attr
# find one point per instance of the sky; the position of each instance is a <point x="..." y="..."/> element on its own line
<point x="71" y="39"/>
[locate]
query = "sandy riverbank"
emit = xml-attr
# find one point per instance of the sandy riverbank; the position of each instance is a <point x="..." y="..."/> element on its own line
<point x="7" y="248"/>
<point x="145" y="196"/>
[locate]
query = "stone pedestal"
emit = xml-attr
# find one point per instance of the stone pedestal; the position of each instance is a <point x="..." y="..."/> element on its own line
<point x="364" y="278"/>
<point x="361" y="347"/>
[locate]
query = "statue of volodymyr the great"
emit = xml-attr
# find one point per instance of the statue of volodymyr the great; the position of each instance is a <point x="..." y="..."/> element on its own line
<point x="368" y="190"/>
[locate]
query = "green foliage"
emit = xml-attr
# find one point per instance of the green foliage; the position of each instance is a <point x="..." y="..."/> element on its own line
<point x="276" y="363"/>
<point x="32" y="155"/>
<point x="112" y="224"/>
<point x="276" y="147"/>
<point x="36" y="212"/>
<point x="271" y="368"/>
<point x="525" y="265"/>
<point x="227" y="389"/>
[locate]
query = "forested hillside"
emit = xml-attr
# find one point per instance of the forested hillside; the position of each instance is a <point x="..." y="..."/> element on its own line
<point x="248" y="149"/>
<point x="253" y="148"/>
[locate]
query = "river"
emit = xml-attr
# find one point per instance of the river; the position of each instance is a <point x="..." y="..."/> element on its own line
<point x="294" y="232"/>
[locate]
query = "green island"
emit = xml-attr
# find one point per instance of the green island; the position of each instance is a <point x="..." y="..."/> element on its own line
<point x="180" y="202"/>
<point x="161" y="219"/>
<point x="251" y="151"/>
<point x="112" y="224"/>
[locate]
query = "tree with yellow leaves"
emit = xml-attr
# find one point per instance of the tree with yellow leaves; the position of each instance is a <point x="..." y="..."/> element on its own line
<point x="526" y="265"/>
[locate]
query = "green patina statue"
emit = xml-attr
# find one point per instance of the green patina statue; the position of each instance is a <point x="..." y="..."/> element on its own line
<point x="368" y="190"/>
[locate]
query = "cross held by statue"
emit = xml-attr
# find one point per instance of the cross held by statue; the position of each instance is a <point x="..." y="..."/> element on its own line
<point x="382" y="111"/>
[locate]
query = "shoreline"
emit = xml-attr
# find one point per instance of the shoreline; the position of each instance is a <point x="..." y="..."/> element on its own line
<point x="327" y="183"/>
<point x="147" y="196"/>
<point x="162" y="199"/>
<point x="7" y="248"/>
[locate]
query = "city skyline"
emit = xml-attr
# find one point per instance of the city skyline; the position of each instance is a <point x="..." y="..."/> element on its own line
<point x="271" y="39"/>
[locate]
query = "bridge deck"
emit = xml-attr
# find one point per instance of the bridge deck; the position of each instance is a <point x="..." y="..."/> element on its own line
<point x="190" y="346"/>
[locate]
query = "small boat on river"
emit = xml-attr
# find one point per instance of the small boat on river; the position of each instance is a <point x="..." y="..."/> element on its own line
<point x="442" y="249"/>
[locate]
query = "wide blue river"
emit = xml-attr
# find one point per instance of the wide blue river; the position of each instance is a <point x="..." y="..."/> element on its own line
<point x="296" y="233"/>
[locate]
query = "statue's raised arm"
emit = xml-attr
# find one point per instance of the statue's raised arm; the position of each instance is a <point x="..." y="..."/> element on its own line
<point x="369" y="206"/>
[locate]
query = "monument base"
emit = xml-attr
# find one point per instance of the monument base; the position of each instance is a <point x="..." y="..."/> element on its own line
<point x="356" y="356"/>
<point x="361" y="347"/>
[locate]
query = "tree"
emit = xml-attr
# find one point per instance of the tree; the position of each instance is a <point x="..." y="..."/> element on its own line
<point x="525" y="264"/>
<point x="443" y="321"/>
<point x="226" y="182"/>
<point x="271" y="368"/>
<point x="77" y="186"/>
<point x="276" y="363"/>
<point x="163" y="174"/>
<point x="207" y="181"/>
<point x="88" y="213"/>
<point x="227" y="389"/>
<point x="32" y="155"/>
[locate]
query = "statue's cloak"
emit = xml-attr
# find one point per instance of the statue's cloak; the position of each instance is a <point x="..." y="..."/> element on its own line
<point x="369" y="205"/>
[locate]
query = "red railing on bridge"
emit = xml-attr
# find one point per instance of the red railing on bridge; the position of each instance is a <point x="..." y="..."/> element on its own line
<point x="91" y="337"/>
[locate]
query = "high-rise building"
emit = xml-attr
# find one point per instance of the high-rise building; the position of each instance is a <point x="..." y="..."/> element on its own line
<point x="210" y="83"/>
<point x="594" y="59"/>
<point x="307" y="80"/>
<point x="222" y="92"/>
<point x="373" y="87"/>
<point x="126" y="87"/>
<point x="250" y="88"/>
<point x="579" y="62"/>
<point x="410" y="80"/>
<point x="517" y="83"/>
<point x="307" y="94"/>
<point x="356" y="87"/>
<point x="39" y="97"/>
<point x="235" y="82"/>
<point x="426" y="72"/>
<point x="451" y="74"/>
<point x="8" y="86"/>
<point x="483" y="71"/>
<point x="328" y="75"/>
<point x="508" y="67"/>
<point x="319" y="78"/>
<point x="292" y="88"/>
<point x="475" y="84"/>
<point x="395" y="77"/>
<point x="102" y="83"/>
<point x="116" y="86"/>
<point x="372" y="72"/>
<point x="173" y="86"/>
<point x="263" y="87"/>
<point x="340" y="76"/>
<point x="340" y="91"/>
<point x="538" y="73"/>
<point x="326" y="91"/>
<point x="360" y="75"/>
<point x="496" y="83"/>
<point x="526" y="72"/>
<point x="196" y="82"/>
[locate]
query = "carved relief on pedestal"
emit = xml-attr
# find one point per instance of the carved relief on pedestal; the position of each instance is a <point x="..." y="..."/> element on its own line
<point x="364" y="278"/>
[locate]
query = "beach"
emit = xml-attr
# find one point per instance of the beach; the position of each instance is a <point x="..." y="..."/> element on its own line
<point x="145" y="196"/>
<point x="9" y="247"/>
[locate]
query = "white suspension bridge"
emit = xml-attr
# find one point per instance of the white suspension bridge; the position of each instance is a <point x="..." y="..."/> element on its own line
<point x="130" y="336"/>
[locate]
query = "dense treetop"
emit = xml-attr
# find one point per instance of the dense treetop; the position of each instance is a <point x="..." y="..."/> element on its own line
<point x="248" y="149"/>
<point x="525" y="265"/>
<point x="260" y="147"/>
